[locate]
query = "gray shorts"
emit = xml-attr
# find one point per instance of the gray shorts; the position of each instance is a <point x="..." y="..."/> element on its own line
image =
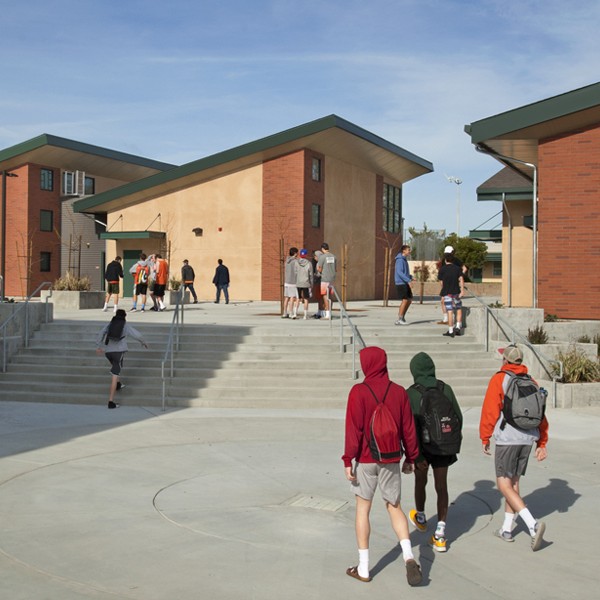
<point x="511" y="461"/>
<point x="370" y="475"/>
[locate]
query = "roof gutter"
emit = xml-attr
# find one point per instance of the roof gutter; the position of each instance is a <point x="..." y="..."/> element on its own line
<point x="508" y="160"/>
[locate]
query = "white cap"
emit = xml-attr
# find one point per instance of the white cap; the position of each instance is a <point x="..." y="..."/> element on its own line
<point x="448" y="250"/>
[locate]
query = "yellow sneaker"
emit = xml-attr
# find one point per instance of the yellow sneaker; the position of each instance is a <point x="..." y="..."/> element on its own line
<point x="419" y="522"/>
<point x="438" y="543"/>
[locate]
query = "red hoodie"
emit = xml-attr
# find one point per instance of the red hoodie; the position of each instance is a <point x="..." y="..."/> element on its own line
<point x="361" y="405"/>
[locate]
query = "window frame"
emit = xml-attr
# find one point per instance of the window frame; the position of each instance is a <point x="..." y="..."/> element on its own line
<point x="45" y="212"/>
<point x="46" y="175"/>
<point x="45" y="260"/>
<point x="392" y="208"/>
<point x="316" y="169"/>
<point x="315" y="215"/>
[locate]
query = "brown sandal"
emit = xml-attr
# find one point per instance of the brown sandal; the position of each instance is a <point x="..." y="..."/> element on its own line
<point x="353" y="572"/>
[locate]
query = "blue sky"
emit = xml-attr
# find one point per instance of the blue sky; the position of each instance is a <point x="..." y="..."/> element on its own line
<point x="179" y="80"/>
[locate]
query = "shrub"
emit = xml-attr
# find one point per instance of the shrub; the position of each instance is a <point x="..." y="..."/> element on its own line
<point x="537" y="335"/>
<point x="71" y="283"/>
<point x="174" y="284"/>
<point x="548" y="318"/>
<point x="578" y="368"/>
<point x="496" y="304"/>
<point x="584" y="339"/>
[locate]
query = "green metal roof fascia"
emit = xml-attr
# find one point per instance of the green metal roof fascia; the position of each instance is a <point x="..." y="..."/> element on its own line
<point x="51" y="140"/>
<point x="533" y="114"/>
<point x="494" y="257"/>
<point x="487" y="234"/>
<point x="238" y="152"/>
<point x="132" y="235"/>
<point x="497" y="196"/>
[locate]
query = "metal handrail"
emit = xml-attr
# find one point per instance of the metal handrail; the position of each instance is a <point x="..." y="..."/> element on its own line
<point x="540" y="356"/>
<point x="172" y="344"/>
<point x="21" y="306"/>
<point x="355" y="336"/>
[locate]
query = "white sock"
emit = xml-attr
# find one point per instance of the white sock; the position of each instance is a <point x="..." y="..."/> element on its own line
<point x="161" y="304"/>
<point x="450" y="329"/>
<point x="509" y="519"/>
<point x="105" y="306"/>
<point x="406" y="549"/>
<point x="440" y="530"/>
<point x="328" y="314"/>
<point x="445" y="318"/>
<point x="459" y="325"/>
<point x="115" y="308"/>
<point x="529" y="520"/>
<point x="363" y="562"/>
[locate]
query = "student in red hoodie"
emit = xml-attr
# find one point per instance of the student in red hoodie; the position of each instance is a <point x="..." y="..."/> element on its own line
<point x="513" y="447"/>
<point x="367" y="474"/>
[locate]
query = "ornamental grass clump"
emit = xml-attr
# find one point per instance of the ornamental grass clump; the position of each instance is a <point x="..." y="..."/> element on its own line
<point x="72" y="284"/>
<point x="578" y="367"/>
<point x="537" y="335"/>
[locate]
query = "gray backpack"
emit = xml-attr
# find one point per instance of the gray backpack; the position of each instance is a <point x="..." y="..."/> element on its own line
<point x="524" y="402"/>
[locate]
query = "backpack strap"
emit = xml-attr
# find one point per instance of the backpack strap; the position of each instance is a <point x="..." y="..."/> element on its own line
<point x="374" y="396"/>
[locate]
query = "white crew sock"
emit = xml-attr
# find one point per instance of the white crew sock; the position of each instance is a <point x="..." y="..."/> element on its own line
<point x="363" y="562"/>
<point x="115" y="308"/>
<point x="529" y="520"/>
<point x="509" y="519"/>
<point x="459" y="325"/>
<point x="445" y="318"/>
<point x="450" y="329"/>
<point x="406" y="549"/>
<point x="440" y="530"/>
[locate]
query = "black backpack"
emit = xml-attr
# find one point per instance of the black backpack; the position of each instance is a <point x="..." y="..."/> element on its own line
<point x="115" y="330"/>
<point x="384" y="437"/>
<point x="524" y="402"/>
<point x="439" y="427"/>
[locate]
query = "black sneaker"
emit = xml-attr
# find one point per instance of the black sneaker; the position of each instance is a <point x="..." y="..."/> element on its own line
<point x="113" y="405"/>
<point x="120" y="386"/>
<point x="457" y="331"/>
<point x="448" y="334"/>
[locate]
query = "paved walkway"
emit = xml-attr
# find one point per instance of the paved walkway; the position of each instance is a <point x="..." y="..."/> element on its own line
<point x="212" y="503"/>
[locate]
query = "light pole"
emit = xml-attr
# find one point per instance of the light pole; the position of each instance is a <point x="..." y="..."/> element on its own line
<point x="5" y="174"/>
<point x="457" y="181"/>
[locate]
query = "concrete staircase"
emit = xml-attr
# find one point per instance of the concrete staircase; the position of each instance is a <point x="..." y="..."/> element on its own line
<point x="273" y="363"/>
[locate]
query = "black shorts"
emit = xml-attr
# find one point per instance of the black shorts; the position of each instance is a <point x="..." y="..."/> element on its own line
<point x="437" y="461"/>
<point x="404" y="291"/>
<point x="141" y="289"/>
<point x="116" y="361"/>
<point x="304" y="293"/>
<point x="159" y="290"/>
<point x="112" y="288"/>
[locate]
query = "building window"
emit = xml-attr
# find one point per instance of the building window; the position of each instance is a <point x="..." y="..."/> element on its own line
<point x="89" y="186"/>
<point x="497" y="269"/>
<point x="46" y="220"/>
<point x="47" y="180"/>
<point x="316" y="169"/>
<point x="392" y="208"/>
<point x="316" y="215"/>
<point x="45" y="261"/>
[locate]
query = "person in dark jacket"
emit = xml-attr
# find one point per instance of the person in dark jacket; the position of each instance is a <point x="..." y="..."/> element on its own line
<point x="422" y="368"/>
<point x="367" y="474"/>
<point x="221" y="281"/>
<point x="187" y="278"/>
<point x="113" y="274"/>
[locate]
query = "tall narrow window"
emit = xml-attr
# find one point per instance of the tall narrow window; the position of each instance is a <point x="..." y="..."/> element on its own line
<point x="316" y="169"/>
<point x="392" y="208"/>
<point x="316" y="215"/>
<point x="46" y="220"/>
<point x="90" y="186"/>
<point x="47" y="180"/>
<point x="45" y="261"/>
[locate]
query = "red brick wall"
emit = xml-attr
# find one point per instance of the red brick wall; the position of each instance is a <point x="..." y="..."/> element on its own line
<point x="283" y="213"/>
<point x="568" y="225"/>
<point x="24" y="240"/>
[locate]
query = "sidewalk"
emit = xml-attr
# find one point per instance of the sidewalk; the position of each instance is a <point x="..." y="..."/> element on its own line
<point x="253" y="504"/>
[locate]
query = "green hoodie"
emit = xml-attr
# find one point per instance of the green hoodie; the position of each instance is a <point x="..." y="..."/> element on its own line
<point x="423" y="372"/>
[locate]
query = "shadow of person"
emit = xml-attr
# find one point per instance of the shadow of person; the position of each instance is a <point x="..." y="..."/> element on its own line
<point x="387" y="559"/>
<point x="557" y="496"/>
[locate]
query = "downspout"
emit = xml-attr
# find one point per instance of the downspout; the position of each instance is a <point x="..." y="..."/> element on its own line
<point x="502" y="158"/>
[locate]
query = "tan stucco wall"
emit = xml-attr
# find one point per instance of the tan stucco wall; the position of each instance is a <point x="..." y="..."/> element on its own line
<point x="522" y="256"/>
<point x="227" y="209"/>
<point x="350" y="219"/>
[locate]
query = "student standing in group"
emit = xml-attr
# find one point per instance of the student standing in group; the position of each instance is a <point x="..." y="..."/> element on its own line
<point x="161" y="269"/>
<point x="290" y="291"/>
<point x="366" y="474"/>
<point x="304" y="280"/>
<point x="140" y="282"/>
<point x="113" y="274"/>
<point x="112" y="341"/>
<point x="453" y="287"/>
<point x="327" y="267"/>
<point x="513" y="446"/>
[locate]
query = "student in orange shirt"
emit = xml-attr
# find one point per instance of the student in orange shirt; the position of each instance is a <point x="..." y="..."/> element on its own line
<point x="160" y="283"/>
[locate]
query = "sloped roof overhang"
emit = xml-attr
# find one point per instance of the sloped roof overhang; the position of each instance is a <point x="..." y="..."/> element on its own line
<point x="330" y="136"/>
<point x="516" y="133"/>
<point x="132" y="235"/>
<point x="61" y="153"/>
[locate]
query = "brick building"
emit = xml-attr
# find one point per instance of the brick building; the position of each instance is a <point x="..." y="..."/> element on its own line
<point x="41" y="238"/>
<point x="327" y="180"/>
<point x="553" y="147"/>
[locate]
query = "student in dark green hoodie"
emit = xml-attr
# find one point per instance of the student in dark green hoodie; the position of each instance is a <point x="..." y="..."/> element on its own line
<point x="423" y="372"/>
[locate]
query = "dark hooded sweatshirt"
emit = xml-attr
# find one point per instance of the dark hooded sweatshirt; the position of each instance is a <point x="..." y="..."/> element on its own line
<point x="361" y="405"/>
<point x="423" y="372"/>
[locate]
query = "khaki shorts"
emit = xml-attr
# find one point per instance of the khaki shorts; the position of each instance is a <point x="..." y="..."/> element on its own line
<point x="371" y="475"/>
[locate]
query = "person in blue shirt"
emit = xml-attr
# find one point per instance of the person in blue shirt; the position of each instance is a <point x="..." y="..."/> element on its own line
<point x="403" y="280"/>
